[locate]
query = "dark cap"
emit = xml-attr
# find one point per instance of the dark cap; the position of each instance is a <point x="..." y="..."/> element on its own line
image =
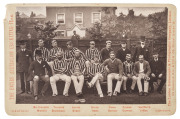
<point x="22" y="42"/>
<point x="40" y="41"/>
<point x="112" y="52"/>
<point x="53" y="41"/>
<point x="155" y="52"/>
<point x="69" y="43"/>
<point x="142" y="38"/>
<point x="38" y="52"/>
<point x="92" y="42"/>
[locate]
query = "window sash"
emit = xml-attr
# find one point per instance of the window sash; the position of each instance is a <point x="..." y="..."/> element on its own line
<point x="78" y="18"/>
<point x="60" y="18"/>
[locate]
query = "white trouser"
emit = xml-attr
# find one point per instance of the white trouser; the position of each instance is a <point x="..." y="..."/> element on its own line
<point x="111" y="77"/>
<point x="95" y="80"/>
<point x="134" y="80"/>
<point x="146" y="83"/>
<point x="57" y="77"/>
<point x="78" y="85"/>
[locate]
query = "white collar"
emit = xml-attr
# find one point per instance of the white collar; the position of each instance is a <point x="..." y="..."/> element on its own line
<point x="39" y="61"/>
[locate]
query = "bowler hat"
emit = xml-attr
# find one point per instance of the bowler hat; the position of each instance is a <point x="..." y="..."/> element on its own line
<point x="142" y="38"/>
<point x="22" y="42"/>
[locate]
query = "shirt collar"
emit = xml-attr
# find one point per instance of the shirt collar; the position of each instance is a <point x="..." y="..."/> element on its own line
<point x="23" y="49"/>
<point x="39" y="61"/>
<point x="156" y="59"/>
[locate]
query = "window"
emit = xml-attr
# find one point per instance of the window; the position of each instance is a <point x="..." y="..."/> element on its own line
<point x="78" y="18"/>
<point x="60" y="18"/>
<point x="60" y="33"/>
<point x="96" y="17"/>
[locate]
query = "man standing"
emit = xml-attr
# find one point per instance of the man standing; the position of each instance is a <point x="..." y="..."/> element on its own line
<point x="40" y="70"/>
<point x="23" y="60"/>
<point x="115" y="68"/>
<point x="123" y="51"/>
<point x="105" y="51"/>
<point x="60" y="67"/>
<point x="95" y="70"/>
<point x="157" y="72"/>
<point x="128" y="73"/>
<point x="75" y="37"/>
<point x="70" y="52"/>
<point x="45" y="51"/>
<point x="142" y="71"/>
<point x="77" y="69"/>
<point x="54" y="50"/>
<point x="141" y="50"/>
<point x="92" y="52"/>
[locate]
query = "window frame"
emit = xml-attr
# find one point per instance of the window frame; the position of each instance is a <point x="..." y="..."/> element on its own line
<point x="75" y="16"/>
<point x="61" y="30"/>
<point x="92" y="21"/>
<point x="57" y="19"/>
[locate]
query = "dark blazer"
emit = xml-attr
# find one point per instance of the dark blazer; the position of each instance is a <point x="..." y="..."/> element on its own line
<point x="157" y="67"/>
<point x="121" y="54"/>
<point x="23" y="60"/>
<point x="105" y="53"/>
<point x="141" y="51"/>
<point x="146" y="66"/>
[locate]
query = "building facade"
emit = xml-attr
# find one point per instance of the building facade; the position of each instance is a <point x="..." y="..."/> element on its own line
<point x="76" y="18"/>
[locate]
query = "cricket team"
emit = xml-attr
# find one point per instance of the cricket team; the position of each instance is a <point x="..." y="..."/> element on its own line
<point x="92" y="67"/>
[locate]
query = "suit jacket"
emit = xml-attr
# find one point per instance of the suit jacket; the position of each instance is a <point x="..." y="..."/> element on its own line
<point x="146" y="66"/>
<point x="157" y="67"/>
<point x="105" y="53"/>
<point x="23" y="60"/>
<point x="141" y="51"/>
<point x="121" y="54"/>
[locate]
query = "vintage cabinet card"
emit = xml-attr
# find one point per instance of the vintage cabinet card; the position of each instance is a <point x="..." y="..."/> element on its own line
<point x="90" y="59"/>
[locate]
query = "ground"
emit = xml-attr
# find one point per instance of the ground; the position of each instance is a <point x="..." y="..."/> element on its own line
<point x="90" y="95"/>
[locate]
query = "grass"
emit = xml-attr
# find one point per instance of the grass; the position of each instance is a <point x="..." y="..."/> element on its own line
<point x="90" y="95"/>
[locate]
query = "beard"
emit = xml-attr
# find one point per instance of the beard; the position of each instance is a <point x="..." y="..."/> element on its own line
<point x="59" y="58"/>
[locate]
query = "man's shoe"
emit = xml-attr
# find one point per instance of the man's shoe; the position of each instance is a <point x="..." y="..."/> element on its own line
<point x="141" y="94"/>
<point x="22" y="92"/>
<point x="145" y="93"/>
<point x="131" y="91"/>
<point x="115" y="93"/>
<point x="109" y="94"/>
<point x="80" y="95"/>
<point x="35" y="97"/>
<point x="161" y="92"/>
<point x="101" y="96"/>
<point x="66" y="95"/>
<point x="29" y="92"/>
<point x="54" y="95"/>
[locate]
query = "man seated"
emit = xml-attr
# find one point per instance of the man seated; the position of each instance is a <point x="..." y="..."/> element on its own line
<point x="157" y="72"/>
<point x="128" y="66"/>
<point x="115" y="71"/>
<point x="60" y="67"/>
<point x="142" y="71"/>
<point x="40" y="71"/>
<point x="77" y="69"/>
<point x="95" y="70"/>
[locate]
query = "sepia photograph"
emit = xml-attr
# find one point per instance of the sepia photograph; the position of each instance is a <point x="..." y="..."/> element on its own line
<point x="91" y="55"/>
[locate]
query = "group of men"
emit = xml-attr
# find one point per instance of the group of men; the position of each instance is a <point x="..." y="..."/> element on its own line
<point x="93" y="66"/>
